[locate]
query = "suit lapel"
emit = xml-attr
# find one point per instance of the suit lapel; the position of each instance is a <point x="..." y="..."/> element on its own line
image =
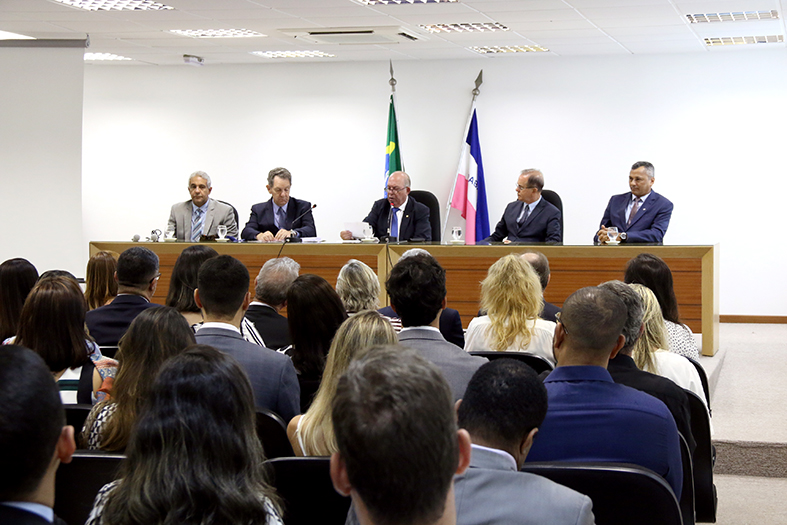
<point x="620" y="210"/>
<point x="406" y="218"/>
<point x="649" y="202"/>
<point x="209" y="217"/>
<point x="292" y="213"/>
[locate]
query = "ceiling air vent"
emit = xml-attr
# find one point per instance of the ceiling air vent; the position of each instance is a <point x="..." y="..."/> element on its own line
<point x="738" y="16"/>
<point x="354" y="35"/>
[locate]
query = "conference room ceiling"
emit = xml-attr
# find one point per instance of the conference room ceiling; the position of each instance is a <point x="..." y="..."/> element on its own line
<point x="545" y="27"/>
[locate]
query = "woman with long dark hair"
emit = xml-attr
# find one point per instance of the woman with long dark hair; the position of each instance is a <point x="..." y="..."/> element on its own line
<point x="194" y="456"/>
<point x="17" y="278"/>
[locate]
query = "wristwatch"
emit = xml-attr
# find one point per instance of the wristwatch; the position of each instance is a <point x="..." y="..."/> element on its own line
<point x="623" y="236"/>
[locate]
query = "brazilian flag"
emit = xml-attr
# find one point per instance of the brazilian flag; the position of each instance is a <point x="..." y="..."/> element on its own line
<point x="393" y="158"/>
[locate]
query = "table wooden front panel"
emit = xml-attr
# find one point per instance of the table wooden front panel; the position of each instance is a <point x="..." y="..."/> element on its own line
<point x="694" y="270"/>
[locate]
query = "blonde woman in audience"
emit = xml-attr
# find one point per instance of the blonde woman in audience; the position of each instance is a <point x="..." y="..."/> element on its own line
<point x="511" y="296"/>
<point x="311" y="434"/>
<point x="359" y="289"/>
<point x="101" y="287"/>
<point x="651" y="354"/>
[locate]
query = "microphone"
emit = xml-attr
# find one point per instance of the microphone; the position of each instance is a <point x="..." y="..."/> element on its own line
<point x="292" y="237"/>
<point x="135" y="238"/>
<point x="390" y="221"/>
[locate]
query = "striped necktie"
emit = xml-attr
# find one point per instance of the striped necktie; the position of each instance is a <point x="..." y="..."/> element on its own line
<point x="633" y="212"/>
<point x="280" y="218"/>
<point x="197" y="221"/>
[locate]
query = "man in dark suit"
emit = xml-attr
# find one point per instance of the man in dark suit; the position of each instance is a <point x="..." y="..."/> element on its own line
<point x="34" y="438"/>
<point x="270" y="296"/>
<point x="223" y="295"/>
<point x="137" y="277"/>
<point x="530" y="218"/>
<point x="398" y="217"/>
<point x="282" y="216"/>
<point x="640" y="215"/>
<point x="417" y="290"/>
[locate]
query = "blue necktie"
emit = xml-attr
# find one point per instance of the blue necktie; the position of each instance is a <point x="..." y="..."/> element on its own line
<point x="394" y="223"/>
<point x="280" y="218"/>
<point x="196" y="225"/>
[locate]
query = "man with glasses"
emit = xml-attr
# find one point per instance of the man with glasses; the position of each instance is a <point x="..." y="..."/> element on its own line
<point x="399" y="216"/>
<point x="137" y="276"/>
<point x="530" y="218"/>
<point x="282" y="216"/>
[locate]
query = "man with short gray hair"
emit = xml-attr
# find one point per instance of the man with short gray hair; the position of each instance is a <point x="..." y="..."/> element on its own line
<point x="201" y="215"/>
<point x="540" y="264"/>
<point x="270" y="296"/>
<point x="282" y="216"/>
<point x="530" y="218"/>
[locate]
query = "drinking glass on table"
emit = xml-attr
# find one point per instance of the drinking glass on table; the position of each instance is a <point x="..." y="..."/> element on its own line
<point x="222" y="231"/>
<point x="612" y="233"/>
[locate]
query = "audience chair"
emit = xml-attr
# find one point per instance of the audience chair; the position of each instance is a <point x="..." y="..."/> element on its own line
<point x="272" y="431"/>
<point x="235" y="212"/>
<point x="306" y="488"/>
<point x="76" y="415"/>
<point x="109" y="351"/>
<point x="554" y="199"/>
<point x="687" y="495"/>
<point x="78" y="482"/>
<point x="622" y="493"/>
<point x="85" y="387"/>
<point x="705" y="498"/>
<point x="428" y="199"/>
<point x="703" y="380"/>
<point x="536" y="362"/>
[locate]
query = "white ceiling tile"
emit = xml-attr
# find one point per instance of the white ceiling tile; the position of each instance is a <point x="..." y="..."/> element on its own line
<point x="640" y="48"/>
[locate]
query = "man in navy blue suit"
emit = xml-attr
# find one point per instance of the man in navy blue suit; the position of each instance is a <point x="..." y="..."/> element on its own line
<point x="282" y="216"/>
<point x="640" y="215"/>
<point x="530" y="218"/>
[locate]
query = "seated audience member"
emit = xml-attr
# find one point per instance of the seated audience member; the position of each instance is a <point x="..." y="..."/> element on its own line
<point x="137" y="276"/>
<point x="590" y="418"/>
<point x="201" y="215"/>
<point x="194" y="455"/>
<point x="398" y="444"/>
<point x="450" y="321"/>
<point x="314" y="313"/>
<point x="358" y="287"/>
<point x="34" y="438"/>
<point x="281" y="216"/>
<point x="312" y="433"/>
<point x="649" y="352"/>
<point x="624" y="371"/>
<point x="223" y="295"/>
<point x="540" y="264"/>
<point x="511" y="297"/>
<point x="183" y="282"/>
<point x="17" y="278"/>
<point x="398" y="217"/>
<point x="651" y="271"/>
<point x="640" y="215"/>
<point x="53" y="325"/>
<point x="530" y="218"/>
<point x="503" y="407"/>
<point x="153" y="337"/>
<point x="100" y="284"/>
<point x="417" y="291"/>
<point x="270" y="296"/>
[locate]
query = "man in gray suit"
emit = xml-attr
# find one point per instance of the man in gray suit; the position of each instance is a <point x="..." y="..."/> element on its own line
<point x="201" y="215"/>
<point x="417" y="290"/>
<point x="503" y="406"/>
<point x="223" y="295"/>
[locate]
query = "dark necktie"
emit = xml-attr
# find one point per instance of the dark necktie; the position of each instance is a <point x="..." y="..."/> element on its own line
<point x="394" y="223"/>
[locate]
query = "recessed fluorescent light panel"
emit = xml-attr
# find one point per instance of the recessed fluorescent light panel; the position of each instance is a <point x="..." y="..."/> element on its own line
<point x="5" y="35"/>
<point x="292" y="54"/>
<point x="104" y="56"/>
<point x="115" y="5"/>
<point x="739" y="16"/>
<point x="487" y="50"/>
<point x="738" y="40"/>
<point x="403" y="2"/>
<point x="478" y="27"/>
<point x="216" y="33"/>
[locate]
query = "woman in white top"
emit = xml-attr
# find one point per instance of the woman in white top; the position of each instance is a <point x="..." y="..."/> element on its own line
<point x="648" y="352"/>
<point x="511" y="296"/>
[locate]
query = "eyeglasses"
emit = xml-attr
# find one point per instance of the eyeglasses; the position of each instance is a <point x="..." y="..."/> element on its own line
<point x="557" y="316"/>
<point x="521" y="188"/>
<point x="389" y="189"/>
<point x="156" y="277"/>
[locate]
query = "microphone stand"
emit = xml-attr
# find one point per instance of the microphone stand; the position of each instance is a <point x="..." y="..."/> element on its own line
<point x="292" y="238"/>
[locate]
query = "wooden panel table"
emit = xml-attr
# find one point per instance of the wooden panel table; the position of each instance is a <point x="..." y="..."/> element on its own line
<point x="694" y="270"/>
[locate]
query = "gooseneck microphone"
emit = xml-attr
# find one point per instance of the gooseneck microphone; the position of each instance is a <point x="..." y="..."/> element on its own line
<point x="292" y="237"/>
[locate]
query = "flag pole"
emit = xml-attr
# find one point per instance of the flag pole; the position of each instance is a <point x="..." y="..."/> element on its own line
<point x="478" y="81"/>
<point x="392" y="83"/>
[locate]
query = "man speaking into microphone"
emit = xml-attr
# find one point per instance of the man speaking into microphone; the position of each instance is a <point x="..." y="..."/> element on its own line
<point x="399" y="216"/>
<point x="282" y="216"/>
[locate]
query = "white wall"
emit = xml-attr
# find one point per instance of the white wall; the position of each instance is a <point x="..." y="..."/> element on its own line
<point x="712" y="123"/>
<point x="41" y="156"/>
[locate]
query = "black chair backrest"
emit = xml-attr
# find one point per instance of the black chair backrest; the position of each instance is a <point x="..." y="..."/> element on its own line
<point x="234" y="211"/>
<point x="306" y="488"/>
<point x="428" y="199"/>
<point x="687" y="495"/>
<point x="272" y="431"/>
<point x="621" y="492"/>
<point x="78" y="482"/>
<point x="703" y="380"/>
<point x="536" y="362"/>
<point x="705" y="498"/>
<point x="554" y="199"/>
<point x="109" y="351"/>
<point x="85" y="388"/>
<point x="76" y="416"/>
